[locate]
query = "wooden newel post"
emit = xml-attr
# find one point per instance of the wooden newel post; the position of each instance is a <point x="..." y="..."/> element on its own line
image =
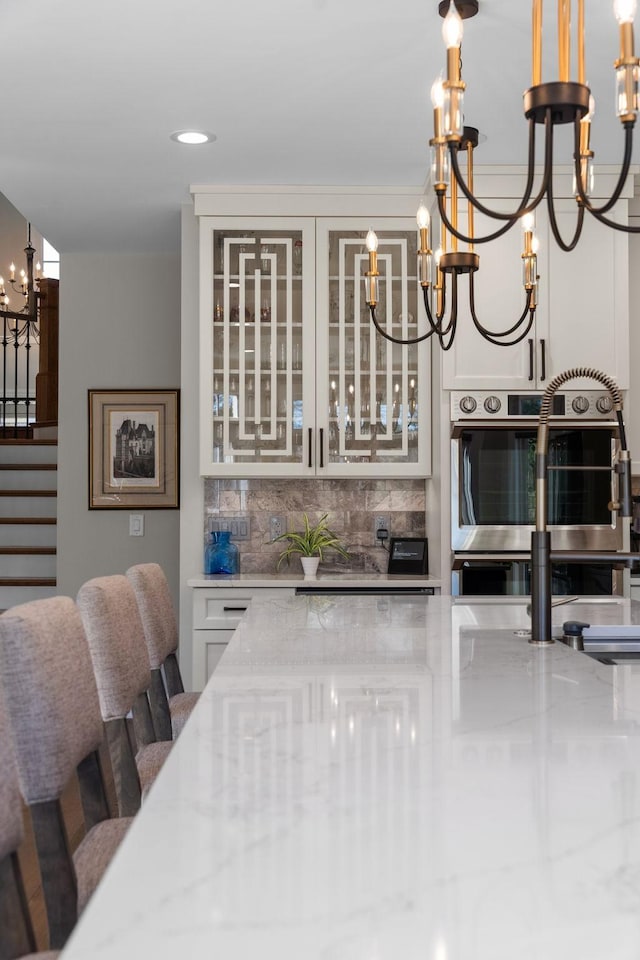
<point x="47" y="376"/>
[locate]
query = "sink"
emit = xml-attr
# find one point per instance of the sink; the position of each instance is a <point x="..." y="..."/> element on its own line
<point x="609" y="643"/>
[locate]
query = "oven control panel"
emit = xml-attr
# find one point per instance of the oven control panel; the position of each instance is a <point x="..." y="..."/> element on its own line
<point x="500" y="405"/>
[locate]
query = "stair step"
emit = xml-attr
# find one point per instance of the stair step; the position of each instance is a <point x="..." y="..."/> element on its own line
<point x="28" y="451"/>
<point x="28" y="466"/>
<point x="30" y="483"/>
<point x="28" y="520"/>
<point x="15" y="504"/>
<point x="28" y="526"/>
<point x="27" y="581"/>
<point x="28" y="565"/>
<point x="27" y="551"/>
<point x="21" y="536"/>
<point x="28" y="493"/>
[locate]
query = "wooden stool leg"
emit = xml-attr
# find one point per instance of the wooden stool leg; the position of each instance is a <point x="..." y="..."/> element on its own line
<point x="59" y="884"/>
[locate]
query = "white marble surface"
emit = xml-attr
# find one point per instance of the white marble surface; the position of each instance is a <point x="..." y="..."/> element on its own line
<point x="324" y="580"/>
<point x="390" y="778"/>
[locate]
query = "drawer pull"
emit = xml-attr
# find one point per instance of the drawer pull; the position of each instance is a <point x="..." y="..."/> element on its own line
<point x="238" y="609"/>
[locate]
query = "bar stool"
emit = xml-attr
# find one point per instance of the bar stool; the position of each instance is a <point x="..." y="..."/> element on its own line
<point x="121" y="665"/>
<point x="16" y="929"/>
<point x="52" y="705"/>
<point x="170" y="705"/>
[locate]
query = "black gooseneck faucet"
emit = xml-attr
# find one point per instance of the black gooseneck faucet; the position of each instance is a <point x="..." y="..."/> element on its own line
<point x="541" y="553"/>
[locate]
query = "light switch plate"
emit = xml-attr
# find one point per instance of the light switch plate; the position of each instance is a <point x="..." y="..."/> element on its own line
<point x="136" y="524"/>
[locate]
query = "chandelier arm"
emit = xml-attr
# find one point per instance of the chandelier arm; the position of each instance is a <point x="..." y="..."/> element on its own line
<point x="624" y="170"/>
<point x="497" y="337"/>
<point x="434" y="324"/>
<point x="494" y="214"/>
<point x="398" y="340"/>
<point x="461" y="236"/>
<point x="548" y="177"/>
<point x="622" y="227"/>
<point x="450" y="329"/>
<point x="567" y="247"/>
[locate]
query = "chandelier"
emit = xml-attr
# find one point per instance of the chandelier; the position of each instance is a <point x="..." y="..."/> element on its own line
<point x="550" y="104"/>
<point x="439" y="273"/>
<point x="25" y="287"/>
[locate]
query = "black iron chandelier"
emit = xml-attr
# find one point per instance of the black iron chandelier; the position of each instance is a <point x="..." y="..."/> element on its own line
<point x="552" y="103"/>
<point x="25" y="287"/>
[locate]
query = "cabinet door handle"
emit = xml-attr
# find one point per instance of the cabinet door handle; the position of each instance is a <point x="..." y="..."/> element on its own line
<point x="321" y="447"/>
<point x="234" y="609"/>
<point x="310" y="442"/>
<point x="530" y="342"/>
<point x="543" y="359"/>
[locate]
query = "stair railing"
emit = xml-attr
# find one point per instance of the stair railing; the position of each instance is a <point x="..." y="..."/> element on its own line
<point x="28" y="398"/>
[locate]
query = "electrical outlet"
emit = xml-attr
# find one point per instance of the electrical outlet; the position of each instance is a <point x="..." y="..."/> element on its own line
<point x="277" y="526"/>
<point x="381" y="521"/>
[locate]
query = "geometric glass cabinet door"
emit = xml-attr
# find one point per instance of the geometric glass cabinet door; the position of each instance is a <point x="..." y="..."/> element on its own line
<point x="257" y="362"/>
<point x="373" y="395"/>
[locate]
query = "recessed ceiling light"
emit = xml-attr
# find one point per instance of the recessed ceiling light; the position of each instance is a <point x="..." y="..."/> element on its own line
<point x="193" y="136"/>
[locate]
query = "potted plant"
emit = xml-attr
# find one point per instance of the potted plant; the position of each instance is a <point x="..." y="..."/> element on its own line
<point x="310" y="544"/>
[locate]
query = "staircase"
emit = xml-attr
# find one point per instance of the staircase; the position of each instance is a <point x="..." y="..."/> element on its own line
<point x="28" y="490"/>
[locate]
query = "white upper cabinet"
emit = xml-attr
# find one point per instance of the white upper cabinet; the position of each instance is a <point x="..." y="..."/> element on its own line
<point x="373" y="396"/>
<point x="294" y="378"/>
<point x="588" y="315"/>
<point x="582" y="317"/>
<point x="473" y="362"/>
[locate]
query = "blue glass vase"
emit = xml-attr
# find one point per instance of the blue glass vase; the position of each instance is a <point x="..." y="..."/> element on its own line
<point x="209" y="553"/>
<point x="224" y="556"/>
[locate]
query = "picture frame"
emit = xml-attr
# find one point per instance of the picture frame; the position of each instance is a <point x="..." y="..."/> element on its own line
<point x="134" y="449"/>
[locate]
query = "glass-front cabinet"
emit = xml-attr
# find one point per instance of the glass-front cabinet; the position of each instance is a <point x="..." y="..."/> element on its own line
<point x="373" y="395"/>
<point x="294" y="378"/>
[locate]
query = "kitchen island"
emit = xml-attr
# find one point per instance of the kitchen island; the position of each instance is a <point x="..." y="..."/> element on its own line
<point x="373" y="778"/>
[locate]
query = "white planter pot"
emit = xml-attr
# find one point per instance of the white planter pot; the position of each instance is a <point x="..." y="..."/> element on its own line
<point x="310" y="567"/>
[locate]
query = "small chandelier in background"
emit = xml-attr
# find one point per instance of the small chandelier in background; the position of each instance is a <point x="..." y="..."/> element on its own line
<point x="552" y="103"/>
<point x="25" y="287"/>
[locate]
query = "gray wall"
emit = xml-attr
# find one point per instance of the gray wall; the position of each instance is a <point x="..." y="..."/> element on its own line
<point x="119" y="327"/>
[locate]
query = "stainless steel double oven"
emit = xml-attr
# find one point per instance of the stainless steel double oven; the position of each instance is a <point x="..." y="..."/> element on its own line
<point x="493" y="441"/>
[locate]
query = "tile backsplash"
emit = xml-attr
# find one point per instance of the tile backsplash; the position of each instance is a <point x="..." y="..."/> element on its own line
<point x="351" y="505"/>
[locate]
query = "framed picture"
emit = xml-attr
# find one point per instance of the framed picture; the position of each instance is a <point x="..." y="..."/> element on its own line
<point x="133" y="449"/>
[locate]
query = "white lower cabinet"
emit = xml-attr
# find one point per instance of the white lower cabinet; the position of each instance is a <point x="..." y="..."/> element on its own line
<point x="216" y="614"/>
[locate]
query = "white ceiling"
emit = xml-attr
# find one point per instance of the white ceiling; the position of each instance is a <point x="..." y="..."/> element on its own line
<point x="297" y="92"/>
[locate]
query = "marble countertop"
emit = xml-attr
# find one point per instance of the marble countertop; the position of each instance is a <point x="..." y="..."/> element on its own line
<point x="374" y="778"/>
<point x="323" y="580"/>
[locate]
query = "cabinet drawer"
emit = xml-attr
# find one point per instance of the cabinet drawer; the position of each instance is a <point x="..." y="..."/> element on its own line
<point x="222" y="609"/>
<point x="218" y="612"/>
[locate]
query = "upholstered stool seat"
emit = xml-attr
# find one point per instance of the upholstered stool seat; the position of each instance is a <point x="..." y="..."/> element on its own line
<point x="170" y="705"/>
<point x="121" y="665"/>
<point x="16" y="929"/>
<point x="54" y="717"/>
<point x="180" y="707"/>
